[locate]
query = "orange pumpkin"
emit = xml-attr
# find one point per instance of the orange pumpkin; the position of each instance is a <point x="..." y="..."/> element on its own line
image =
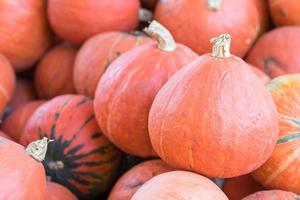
<point x="260" y="74"/>
<point x="25" y="34"/>
<point x="127" y="89"/>
<point x="179" y="185"/>
<point x="282" y="168"/>
<point x="53" y="75"/>
<point x="194" y="22"/>
<point x="276" y="52"/>
<point x="272" y="195"/>
<point x="133" y="179"/>
<point x="56" y="191"/>
<point x="214" y="116"/>
<point x="285" y="12"/>
<point x="82" y="18"/>
<point x="15" y="122"/>
<point x="97" y="53"/>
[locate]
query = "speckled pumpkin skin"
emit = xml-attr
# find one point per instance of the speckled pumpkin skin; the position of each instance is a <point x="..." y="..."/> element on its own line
<point x="272" y="195"/>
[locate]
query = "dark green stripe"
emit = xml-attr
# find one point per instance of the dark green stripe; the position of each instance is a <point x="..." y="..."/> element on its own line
<point x="288" y="138"/>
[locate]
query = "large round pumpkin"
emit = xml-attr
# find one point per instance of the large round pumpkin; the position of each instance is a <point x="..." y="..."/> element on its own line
<point x="25" y="34"/>
<point x="133" y="179"/>
<point x="76" y="21"/>
<point x="179" y="185"/>
<point x="97" y="53"/>
<point x="272" y="195"/>
<point x="282" y="169"/>
<point x="56" y="191"/>
<point x="214" y="116"/>
<point x="276" y="52"/>
<point x="53" y="75"/>
<point x="80" y="157"/>
<point x="194" y="22"/>
<point x="126" y="91"/>
<point x="285" y="12"/>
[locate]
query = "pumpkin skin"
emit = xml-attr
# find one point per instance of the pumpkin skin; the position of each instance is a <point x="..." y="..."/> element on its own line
<point x="30" y="175"/>
<point x="281" y="170"/>
<point x="179" y="185"/>
<point x="133" y="179"/>
<point x="272" y="195"/>
<point x="53" y="75"/>
<point x="260" y="74"/>
<point x="15" y="122"/>
<point x="285" y="12"/>
<point x="275" y="54"/>
<point x="97" y="53"/>
<point x="56" y="191"/>
<point x="192" y="23"/>
<point x="25" y="40"/>
<point x="82" y="20"/>
<point x="80" y="158"/>
<point x="239" y="187"/>
<point x="5" y="135"/>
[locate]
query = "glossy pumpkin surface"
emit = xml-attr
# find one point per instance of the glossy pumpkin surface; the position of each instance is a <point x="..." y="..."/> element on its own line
<point x="56" y="191"/>
<point x="272" y="195"/>
<point x="285" y="12"/>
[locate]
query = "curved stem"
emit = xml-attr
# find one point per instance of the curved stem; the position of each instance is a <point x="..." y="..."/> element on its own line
<point x="221" y="46"/>
<point x="37" y="149"/>
<point x="214" y="4"/>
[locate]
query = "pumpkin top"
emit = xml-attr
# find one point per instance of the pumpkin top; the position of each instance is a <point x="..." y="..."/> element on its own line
<point x="221" y="46"/>
<point x="37" y="149"/>
<point x="159" y="33"/>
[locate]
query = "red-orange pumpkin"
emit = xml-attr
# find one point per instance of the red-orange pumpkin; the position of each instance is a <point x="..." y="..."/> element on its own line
<point x="133" y="179"/>
<point x="25" y="34"/>
<point x="276" y="52"/>
<point x="194" y="22"/>
<point x="15" y="122"/>
<point x="22" y="177"/>
<point x="97" y="53"/>
<point x="179" y="185"/>
<point x="272" y="195"/>
<point x="4" y="135"/>
<point x="285" y="12"/>
<point x="76" y="21"/>
<point x="260" y="74"/>
<point x="282" y="169"/>
<point x="214" y="116"/>
<point x="80" y="157"/>
<point x="53" y="75"/>
<point x="126" y="91"/>
<point x="56" y="191"/>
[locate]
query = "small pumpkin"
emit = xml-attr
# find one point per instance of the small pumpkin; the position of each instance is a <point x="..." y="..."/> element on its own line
<point x="179" y="185"/>
<point x="133" y="179"/>
<point x="276" y="52"/>
<point x="214" y="116"/>
<point x="53" y="75"/>
<point x="260" y="74"/>
<point x="82" y="18"/>
<point x="80" y="157"/>
<point x="272" y="195"/>
<point x="56" y="191"/>
<point x="129" y="86"/>
<point x="96" y="55"/>
<point x="282" y="168"/>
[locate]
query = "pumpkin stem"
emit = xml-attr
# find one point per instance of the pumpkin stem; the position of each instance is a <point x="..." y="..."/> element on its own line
<point x="37" y="149"/>
<point x="214" y="4"/>
<point x="161" y="35"/>
<point x="221" y="46"/>
<point x="145" y="15"/>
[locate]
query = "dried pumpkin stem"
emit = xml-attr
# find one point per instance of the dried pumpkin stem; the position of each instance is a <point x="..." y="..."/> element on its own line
<point x="161" y="35"/>
<point x="37" y="149"/>
<point x="221" y="46"/>
<point x="214" y="4"/>
<point x="145" y="15"/>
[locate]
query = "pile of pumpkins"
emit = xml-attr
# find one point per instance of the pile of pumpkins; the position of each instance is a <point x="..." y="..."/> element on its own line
<point x="144" y="100"/>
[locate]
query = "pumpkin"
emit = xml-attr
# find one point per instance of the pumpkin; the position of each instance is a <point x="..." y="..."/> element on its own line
<point x="179" y="185"/>
<point x="25" y="31"/>
<point x="260" y="74"/>
<point x="276" y="52"/>
<point x="194" y="22"/>
<point x="97" y="53"/>
<point x="272" y="195"/>
<point x="239" y="187"/>
<point x="285" y="12"/>
<point x="80" y="158"/>
<point x="76" y="21"/>
<point x="7" y="81"/>
<point x="15" y="122"/>
<point x="133" y="179"/>
<point x="126" y="91"/>
<point x="56" y="191"/>
<point x="214" y="116"/>
<point x="53" y="75"/>
<point x="22" y="177"/>
<point x="4" y="135"/>
<point x="282" y="170"/>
